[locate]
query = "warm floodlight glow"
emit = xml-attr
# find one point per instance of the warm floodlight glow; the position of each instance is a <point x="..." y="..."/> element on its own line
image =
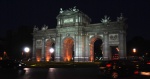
<point x="134" y="50"/>
<point x="26" y="49"/>
<point x="117" y="49"/>
<point x="51" y="50"/>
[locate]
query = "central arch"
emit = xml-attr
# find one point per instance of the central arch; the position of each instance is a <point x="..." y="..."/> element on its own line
<point x="68" y="49"/>
<point x="96" y="49"/>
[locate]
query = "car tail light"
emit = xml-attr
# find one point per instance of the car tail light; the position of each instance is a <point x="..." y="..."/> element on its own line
<point x="108" y="65"/>
<point x="136" y="72"/>
<point x="148" y="62"/>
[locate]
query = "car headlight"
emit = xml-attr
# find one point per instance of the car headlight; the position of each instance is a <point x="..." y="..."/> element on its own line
<point x="20" y="65"/>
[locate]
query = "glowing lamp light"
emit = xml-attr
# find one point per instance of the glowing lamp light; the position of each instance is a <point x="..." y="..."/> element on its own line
<point x="38" y="60"/>
<point x="134" y="50"/>
<point x="47" y="60"/>
<point x="117" y="49"/>
<point x="51" y="50"/>
<point x="26" y="49"/>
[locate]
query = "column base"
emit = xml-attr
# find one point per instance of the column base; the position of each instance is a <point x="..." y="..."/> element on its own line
<point x="33" y="59"/>
<point x="57" y="59"/>
<point x="42" y="59"/>
<point x="81" y="59"/>
<point x="105" y="58"/>
<point x="123" y="57"/>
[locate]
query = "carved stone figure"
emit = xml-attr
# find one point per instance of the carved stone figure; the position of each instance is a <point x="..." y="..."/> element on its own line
<point x="35" y="28"/>
<point x="44" y="27"/>
<point x="70" y="9"/>
<point x="61" y="10"/>
<point x="106" y="19"/>
<point x="121" y="18"/>
<point x="74" y="9"/>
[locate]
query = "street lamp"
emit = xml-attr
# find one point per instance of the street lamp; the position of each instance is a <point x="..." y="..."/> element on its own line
<point x="27" y="50"/>
<point x="51" y="50"/>
<point x="134" y="50"/>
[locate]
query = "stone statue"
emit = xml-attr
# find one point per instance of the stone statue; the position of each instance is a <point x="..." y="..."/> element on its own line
<point x="35" y="28"/>
<point x="106" y="19"/>
<point x="74" y="9"/>
<point x="70" y="9"/>
<point x="61" y="10"/>
<point x="44" y="27"/>
<point x="121" y="18"/>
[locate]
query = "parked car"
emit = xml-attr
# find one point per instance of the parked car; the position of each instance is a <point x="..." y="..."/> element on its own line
<point x="11" y="64"/>
<point x="143" y="70"/>
<point x="117" y="68"/>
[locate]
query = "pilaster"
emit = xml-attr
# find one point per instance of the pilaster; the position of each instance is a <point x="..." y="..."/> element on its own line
<point x="87" y="48"/>
<point x="105" y="47"/>
<point x="34" y="48"/>
<point x="43" y="49"/>
<point x="57" y="48"/>
<point x="122" y="45"/>
<point x="76" y="52"/>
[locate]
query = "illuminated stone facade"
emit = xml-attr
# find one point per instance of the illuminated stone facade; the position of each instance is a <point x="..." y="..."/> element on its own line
<point x="74" y="37"/>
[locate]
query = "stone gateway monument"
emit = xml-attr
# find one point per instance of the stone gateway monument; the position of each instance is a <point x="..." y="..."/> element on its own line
<point x="75" y="39"/>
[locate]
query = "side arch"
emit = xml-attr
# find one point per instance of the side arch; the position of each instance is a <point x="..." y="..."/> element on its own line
<point x="49" y="56"/>
<point x="92" y="53"/>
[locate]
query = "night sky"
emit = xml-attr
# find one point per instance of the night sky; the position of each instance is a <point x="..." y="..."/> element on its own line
<point x="27" y="13"/>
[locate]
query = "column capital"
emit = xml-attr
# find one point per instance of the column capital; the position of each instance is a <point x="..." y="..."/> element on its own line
<point x="105" y="32"/>
<point x="58" y="35"/>
<point x="122" y="31"/>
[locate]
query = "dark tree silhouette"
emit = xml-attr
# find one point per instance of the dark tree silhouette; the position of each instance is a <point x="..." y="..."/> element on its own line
<point x="17" y="40"/>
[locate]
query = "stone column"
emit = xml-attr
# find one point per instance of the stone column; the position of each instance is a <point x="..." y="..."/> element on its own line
<point x="80" y="48"/>
<point x="34" y="50"/>
<point x="122" y="47"/>
<point x="86" y="48"/>
<point x="76" y="52"/>
<point x="105" y="47"/>
<point x="43" y="49"/>
<point x="57" y="48"/>
<point x="61" y="21"/>
<point x="76" y="20"/>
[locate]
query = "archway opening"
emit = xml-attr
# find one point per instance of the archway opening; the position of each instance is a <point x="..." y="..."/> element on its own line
<point x="115" y="52"/>
<point x="68" y="49"/>
<point x="96" y="49"/>
<point x="38" y="55"/>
